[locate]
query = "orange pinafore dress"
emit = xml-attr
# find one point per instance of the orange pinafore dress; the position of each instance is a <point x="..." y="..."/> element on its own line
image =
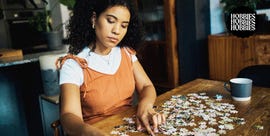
<point x="103" y="95"/>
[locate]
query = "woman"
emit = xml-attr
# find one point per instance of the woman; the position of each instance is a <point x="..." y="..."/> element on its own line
<point x="101" y="72"/>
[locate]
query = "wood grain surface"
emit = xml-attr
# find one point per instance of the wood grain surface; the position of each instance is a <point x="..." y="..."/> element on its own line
<point x="255" y="112"/>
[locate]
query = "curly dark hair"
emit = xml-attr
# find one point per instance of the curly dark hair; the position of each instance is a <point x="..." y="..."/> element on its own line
<point x="81" y="33"/>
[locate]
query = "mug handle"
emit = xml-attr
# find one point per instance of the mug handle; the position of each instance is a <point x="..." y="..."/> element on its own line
<point x="226" y="86"/>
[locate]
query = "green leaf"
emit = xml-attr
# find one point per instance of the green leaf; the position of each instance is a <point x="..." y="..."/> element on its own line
<point x="69" y="3"/>
<point x="229" y="5"/>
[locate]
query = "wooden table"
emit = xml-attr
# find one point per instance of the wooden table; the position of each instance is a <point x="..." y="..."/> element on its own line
<point x="256" y="111"/>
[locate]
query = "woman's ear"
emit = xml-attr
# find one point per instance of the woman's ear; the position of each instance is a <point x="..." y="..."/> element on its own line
<point x="93" y="20"/>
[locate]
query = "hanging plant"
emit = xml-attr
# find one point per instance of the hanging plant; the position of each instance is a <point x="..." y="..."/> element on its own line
<point x="229" y="5"/>
<point x="69" y="3"/>
<point x="42" y="21"/>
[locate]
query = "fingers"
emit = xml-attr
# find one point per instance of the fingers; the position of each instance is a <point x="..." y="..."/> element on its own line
<point x="156" y="121"/>
<point x="143" y="123"/>
<point x="163" y="118"/>
<point x="139" y="125"/>
<point x="146" y="124"/>
<point x="156" y="118"/>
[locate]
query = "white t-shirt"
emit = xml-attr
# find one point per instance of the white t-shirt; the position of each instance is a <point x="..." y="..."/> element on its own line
<point x="71" y="72"/>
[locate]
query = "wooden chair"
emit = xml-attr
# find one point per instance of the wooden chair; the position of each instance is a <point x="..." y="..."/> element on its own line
<point x="56" y="126"/>
<point x="259" y="74"/>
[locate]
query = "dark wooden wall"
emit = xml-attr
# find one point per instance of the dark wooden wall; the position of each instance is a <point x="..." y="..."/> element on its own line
<point x="193" y="27"/>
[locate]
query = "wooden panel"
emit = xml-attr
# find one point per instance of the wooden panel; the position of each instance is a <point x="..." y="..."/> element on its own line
<point x="228" y="55"/>
<point x="219" y="57"/>
<point x="262" y="49"/>
<point x="242" y="54"/>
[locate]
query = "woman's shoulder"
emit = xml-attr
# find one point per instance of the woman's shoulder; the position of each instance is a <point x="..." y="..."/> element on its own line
<point x="131" y="53"/>
<point x="75" y="60"/>
<point x="129" y="50"/>
<point x="69" y="62"/>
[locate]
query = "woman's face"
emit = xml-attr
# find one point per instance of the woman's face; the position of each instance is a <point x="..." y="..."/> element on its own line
<point x="111" y="26"/>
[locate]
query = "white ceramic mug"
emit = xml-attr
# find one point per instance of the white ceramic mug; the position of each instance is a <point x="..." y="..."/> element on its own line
<point x="240" y="88"/>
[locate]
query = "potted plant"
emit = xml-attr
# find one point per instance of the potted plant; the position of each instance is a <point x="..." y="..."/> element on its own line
<point x="68" y="3"/>
<point x="43" y="22"/>
<point x="229" y="5"/>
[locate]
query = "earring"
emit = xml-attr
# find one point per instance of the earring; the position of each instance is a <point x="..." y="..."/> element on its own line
<point x="93" y="26"/>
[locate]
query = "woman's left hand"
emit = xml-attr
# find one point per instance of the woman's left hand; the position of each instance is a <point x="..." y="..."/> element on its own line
<point x="146" y="116"/>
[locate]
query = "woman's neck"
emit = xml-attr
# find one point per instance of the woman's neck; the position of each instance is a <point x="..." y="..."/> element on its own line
<point x="101" y="50"/>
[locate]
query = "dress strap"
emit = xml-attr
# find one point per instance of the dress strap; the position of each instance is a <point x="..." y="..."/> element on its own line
<point x="61" y="60"/>
<point x="129" y="50"/>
